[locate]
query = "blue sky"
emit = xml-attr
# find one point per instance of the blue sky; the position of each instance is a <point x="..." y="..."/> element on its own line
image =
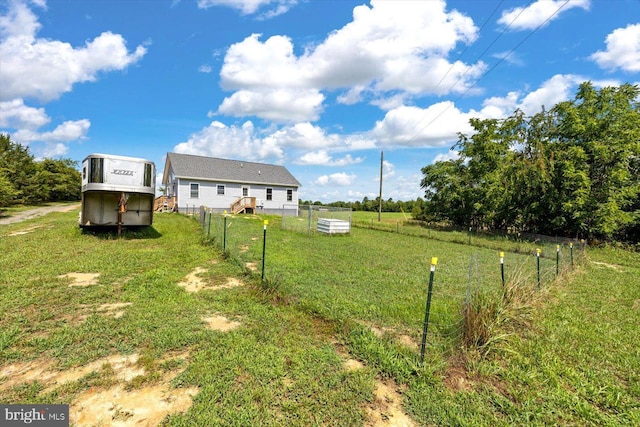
<point x="319" y="86"/>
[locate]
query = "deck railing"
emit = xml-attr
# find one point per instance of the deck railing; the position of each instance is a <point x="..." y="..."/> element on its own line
<point x="164" y="203"/>
<point x="242" y="204"/>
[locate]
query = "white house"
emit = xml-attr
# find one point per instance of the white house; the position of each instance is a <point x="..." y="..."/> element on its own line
<point x="232" y="185"/>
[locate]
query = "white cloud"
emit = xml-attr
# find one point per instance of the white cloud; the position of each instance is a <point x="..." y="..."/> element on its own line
<point x="340" y="178"/>
<point x="54" y="150"/>
<point x="435" y="126"/>
<point x="388" y="170"/>
<point x="389" y="50"/>
<point x="439" y="124"/>
<point x="72" y="130"/>
<point x="205" y="68"/>
<point x="623" y="50"/>
<point x="45" y="69"/>
<point x="449" y="155"/>
<point x="15" y="114"/>
<point x="535" y="14"/>
<point x="219" y="140"/>
<point x="280" y="105"/>
<point x="557" y="89"/>
<point x="304" y="135"/>
<point x="249" y="7"/>
<point x="404" y="187"/>
<point x="323" y="158"/>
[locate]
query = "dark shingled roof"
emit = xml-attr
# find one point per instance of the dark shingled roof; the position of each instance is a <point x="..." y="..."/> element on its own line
<point x="214" y="169"/>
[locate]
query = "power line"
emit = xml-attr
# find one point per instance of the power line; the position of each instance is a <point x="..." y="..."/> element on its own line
<point x="467" y="46"/>
<point x="493" y="67"/>
<point x="477" y="59"/>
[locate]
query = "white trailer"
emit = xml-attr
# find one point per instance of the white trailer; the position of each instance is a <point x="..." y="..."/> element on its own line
<point x="117" y="191"/>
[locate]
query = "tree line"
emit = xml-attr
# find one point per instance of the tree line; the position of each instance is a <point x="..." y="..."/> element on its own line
<point x="25" y="180"/>
<point x="573" y="170"/>
<point x="372" y="205"/>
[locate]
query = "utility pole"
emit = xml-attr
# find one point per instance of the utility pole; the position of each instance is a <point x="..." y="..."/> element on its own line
<point x="380" y="199"/>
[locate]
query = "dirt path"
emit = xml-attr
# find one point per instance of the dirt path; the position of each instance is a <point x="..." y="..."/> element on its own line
<point x="33" y="213"/>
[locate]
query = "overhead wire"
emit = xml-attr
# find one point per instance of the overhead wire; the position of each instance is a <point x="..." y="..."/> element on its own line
<point x="478" y="57"/>
<point x="491" y="68"/>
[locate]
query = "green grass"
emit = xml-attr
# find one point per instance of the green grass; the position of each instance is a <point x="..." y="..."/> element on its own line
<point x="574" y="360"/>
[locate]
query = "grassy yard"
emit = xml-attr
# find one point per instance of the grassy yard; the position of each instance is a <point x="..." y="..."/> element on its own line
<point x="331" y="337"/>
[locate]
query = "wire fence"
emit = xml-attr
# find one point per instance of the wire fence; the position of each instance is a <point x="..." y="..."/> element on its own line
<point x="365" y="277"/>
<point x="309" y="216"/>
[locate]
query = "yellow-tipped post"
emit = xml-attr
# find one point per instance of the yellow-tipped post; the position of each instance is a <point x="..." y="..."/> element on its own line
<point x="571" y="252"/>
<point x="264" y="245"/>
<point x="538" y="265"/>
<point x="434" y="262"/>
<point x="502" y="268"/>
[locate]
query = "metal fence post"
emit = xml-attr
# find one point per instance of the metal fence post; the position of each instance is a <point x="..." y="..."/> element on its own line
<point x="502" y="269"/>
<point x="434" y="261"/>
<point x="571" y="252"/>
<point x="224" y="239"/>
<point x="557" y="259"/>
<point x="538" y="265"/>
<point x="264" y="245"/>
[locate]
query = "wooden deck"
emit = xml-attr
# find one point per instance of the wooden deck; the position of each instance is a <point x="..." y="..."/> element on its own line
<point x="244" y="205"/>
<point x="164" y="204"/>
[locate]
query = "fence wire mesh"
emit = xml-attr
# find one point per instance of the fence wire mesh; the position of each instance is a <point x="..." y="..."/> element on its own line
<point x="306" y="221"/>
<point x="378" y="277"/>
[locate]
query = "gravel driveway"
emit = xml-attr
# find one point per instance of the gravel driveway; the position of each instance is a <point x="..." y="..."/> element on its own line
<point x="32" y="213"/>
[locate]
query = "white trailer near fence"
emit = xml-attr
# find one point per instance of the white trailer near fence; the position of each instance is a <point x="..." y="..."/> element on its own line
<point x="117" y="191"/>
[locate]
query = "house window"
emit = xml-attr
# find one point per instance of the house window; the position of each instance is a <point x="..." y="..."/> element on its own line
<point x="195" y="189"/>
<point x="289" y="195"/>
<point x="220" y="190"/>
<point x="96" y="172"/>
<point x="269" y="193"/>
<point x="245" y="191"/>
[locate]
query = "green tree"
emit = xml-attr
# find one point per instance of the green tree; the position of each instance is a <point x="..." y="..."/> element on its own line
<point x="603" y="128"/>
<point x="16" y="165"/>
<point x="572" y="170"/>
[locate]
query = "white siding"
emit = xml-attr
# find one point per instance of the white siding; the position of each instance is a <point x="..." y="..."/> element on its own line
<point x="208" y="195"/>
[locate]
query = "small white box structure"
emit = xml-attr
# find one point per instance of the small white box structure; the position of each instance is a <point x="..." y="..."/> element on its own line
<point x="333" y="226"/>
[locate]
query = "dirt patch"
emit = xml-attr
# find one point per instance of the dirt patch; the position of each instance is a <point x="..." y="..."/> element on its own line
<point x="23" y="372"/>
<point x="193" y="282"/>
<point x="386" y="409"/>
<point x="220" y="323"/>
<point x="252" y="266"/>
<point x="117" y="406"/>
<point x="244" y="248"/>
<point x="403" y="339"/>
<point x="231" y="282"/>
<point x="42" y="370"/>
<point x="115" y="310"/>
<point x="636" y="304"/>
<point x="353" y="365"/>
<point x="457" y="379"/>
<point x="407" y="341"/>
<point x="81" y="279"/>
